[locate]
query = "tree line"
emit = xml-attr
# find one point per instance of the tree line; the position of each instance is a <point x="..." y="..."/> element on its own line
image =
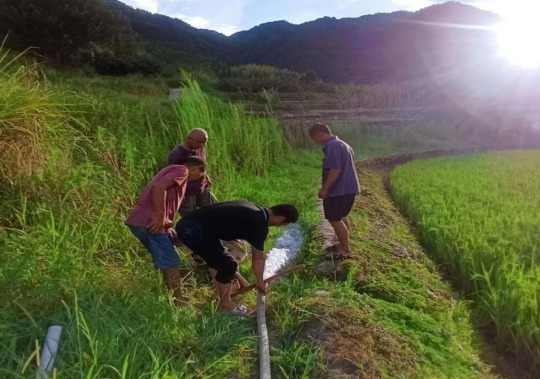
<point x="74" y="32"/>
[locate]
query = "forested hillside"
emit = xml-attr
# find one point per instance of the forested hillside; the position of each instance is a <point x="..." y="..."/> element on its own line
<point x="118" y="39"/>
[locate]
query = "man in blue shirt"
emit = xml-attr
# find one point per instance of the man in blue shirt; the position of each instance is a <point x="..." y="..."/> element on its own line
<point x="339" y="185"/>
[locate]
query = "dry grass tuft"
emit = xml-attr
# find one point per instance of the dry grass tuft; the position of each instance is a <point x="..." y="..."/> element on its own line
<point x="26" y="112"/>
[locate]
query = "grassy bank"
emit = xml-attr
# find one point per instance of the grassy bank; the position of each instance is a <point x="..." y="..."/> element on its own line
<point x="478" y="215"/>
<point x="386" y="312"/>
<point x="82" y="149"/>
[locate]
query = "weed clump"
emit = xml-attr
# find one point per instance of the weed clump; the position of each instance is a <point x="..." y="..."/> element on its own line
<point x="29" y="120"/>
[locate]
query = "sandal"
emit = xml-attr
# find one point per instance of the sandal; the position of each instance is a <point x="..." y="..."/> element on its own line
<point x="240" y="311"/>
<point x="336" y="256"/>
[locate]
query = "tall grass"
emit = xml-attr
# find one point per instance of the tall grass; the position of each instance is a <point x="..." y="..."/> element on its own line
<point x="479" y="215"/>
<point x="29" y="120"/>
<point x="68" y="259"/>
<point x="240" y="143"/>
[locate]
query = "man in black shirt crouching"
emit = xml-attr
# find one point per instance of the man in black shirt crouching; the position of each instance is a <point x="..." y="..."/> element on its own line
<point x="203" y="229"/>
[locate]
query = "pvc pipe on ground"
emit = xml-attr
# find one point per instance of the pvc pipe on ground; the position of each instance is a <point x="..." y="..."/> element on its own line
<point x="264" y="344"/>
<point x="50" y="349"/>
<point x="285" y="251"/>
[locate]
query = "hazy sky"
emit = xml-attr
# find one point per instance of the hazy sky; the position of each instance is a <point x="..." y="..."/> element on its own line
<point x="230" y="16"/>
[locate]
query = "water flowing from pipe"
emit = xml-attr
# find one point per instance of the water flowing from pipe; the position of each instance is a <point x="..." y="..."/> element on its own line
<point x="286" y="250"/>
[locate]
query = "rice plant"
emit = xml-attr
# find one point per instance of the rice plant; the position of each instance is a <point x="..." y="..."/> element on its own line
<point x="480" y="217"/>
<point x="351" y="96"/>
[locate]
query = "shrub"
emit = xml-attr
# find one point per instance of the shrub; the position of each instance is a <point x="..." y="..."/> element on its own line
<point x="254" y="78"/>
<point x="119" y="67"/>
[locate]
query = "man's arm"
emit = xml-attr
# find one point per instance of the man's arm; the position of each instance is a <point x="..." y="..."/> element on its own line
<point x="257" y="263"/>
<point x="160" y="221"/>
<point x="332" y="163"/>
<point x="333" y="176"/>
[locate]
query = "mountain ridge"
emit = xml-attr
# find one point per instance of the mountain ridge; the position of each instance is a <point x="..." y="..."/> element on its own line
<point x="380" y="47"/>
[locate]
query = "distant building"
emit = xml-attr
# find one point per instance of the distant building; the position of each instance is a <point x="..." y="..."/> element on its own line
<point x="174" y="93"/>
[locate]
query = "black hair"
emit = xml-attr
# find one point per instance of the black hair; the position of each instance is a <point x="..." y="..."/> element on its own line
<point x="286" y="210"/>
<point x="195" y="161"/>
<point x="319" y="128"/>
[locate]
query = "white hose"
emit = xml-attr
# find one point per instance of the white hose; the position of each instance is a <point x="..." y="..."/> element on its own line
<point x="50" y="349"/>
<point x="264" y="344"/>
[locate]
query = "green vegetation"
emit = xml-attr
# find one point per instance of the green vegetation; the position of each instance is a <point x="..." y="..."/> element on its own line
<point x="68" y="32"/>
<point x="369" y="139"/>
<point x="244" y="145"/>
<point x="253" y="78"/>
<point x="352" y="96"/>
<point x="385" y="313"/>
<point x="478" y="216"/>
<point x="83" y="148"/>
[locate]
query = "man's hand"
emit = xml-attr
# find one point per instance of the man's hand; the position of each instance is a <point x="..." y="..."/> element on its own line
<point x="262" y="286"/>
<point x="174" y="238"/>
<point x="323" y="193"/>
<point x="159" y="224"/>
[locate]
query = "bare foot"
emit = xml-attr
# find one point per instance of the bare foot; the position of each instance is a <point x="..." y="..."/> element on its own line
<point x="344" y="253"/>
<point x="338" y="255"/>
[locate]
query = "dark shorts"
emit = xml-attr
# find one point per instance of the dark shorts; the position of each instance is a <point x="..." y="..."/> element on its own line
<point x="337" y="207"/>
<point x="209" y="249"/>
<point x="160" y="246"/>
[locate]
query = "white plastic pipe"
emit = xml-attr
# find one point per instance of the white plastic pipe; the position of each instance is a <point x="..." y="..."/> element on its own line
<point x="286" y="249"/>
<point x="264" y="344"/>
<point x="50" y="349"/>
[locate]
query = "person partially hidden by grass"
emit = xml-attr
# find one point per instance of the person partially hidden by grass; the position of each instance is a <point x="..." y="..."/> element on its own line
<point x="203" y="230"/>
<point x="198" y="192"/>
<point x="151" y="219"/>
<point x="339" y="186"/>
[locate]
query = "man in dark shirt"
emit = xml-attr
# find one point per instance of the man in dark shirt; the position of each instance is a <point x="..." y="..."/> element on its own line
<point x="197" y="192"/>
<point x="203" y="230"/>
<point x="339" y="185"/>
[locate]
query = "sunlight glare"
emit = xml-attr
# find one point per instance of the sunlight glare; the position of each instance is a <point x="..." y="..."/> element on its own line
<point x="519" y="37"/>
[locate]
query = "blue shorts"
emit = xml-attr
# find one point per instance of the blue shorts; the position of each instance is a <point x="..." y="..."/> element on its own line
<point x="160" y="246"/>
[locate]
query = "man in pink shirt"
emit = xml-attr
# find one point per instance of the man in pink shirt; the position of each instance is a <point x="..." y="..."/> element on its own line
<point x="152" y="218"/>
